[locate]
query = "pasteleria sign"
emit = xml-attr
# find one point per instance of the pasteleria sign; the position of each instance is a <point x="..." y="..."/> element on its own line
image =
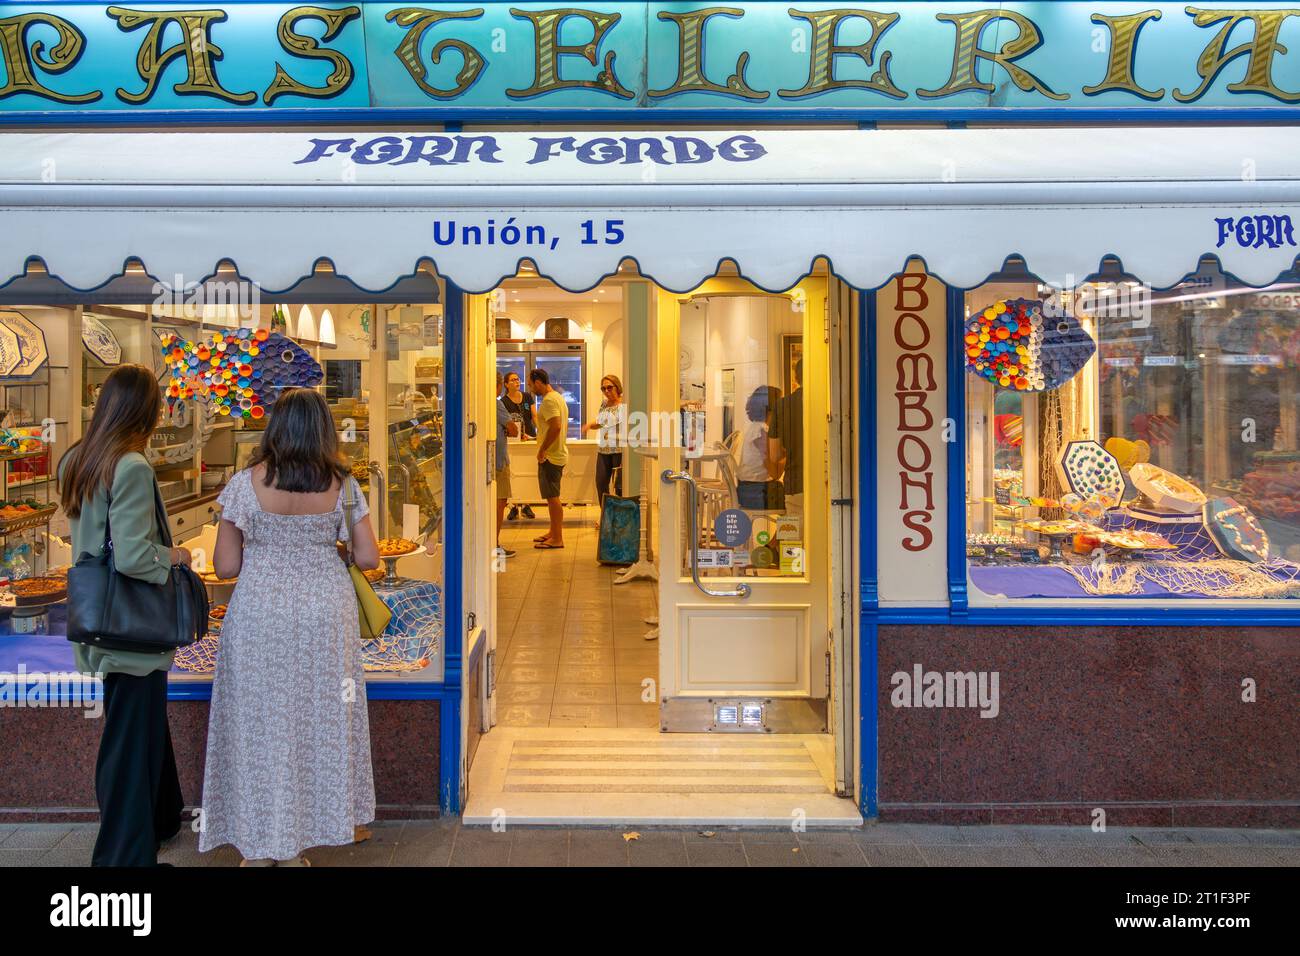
<point x="250" y="57"/>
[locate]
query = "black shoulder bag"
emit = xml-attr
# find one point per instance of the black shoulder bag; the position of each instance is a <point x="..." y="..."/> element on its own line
<point x="116" y="611"/>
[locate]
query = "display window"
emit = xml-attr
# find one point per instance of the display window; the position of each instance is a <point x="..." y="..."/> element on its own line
<point x="1130" y="443"/>
<point x="387" y="411"/>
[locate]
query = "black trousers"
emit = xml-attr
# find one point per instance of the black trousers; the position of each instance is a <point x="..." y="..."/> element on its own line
<point x="608" y="464"/>
<point x="136" y="785"/>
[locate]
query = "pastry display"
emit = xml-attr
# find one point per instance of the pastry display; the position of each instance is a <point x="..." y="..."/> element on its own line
<point x="1012" y="344"/>
<point x="210" y="577"/>
<point x="1166" y="490"/>
<point x="1236" y="532"/>
<point x="217" y="612"/>
<point x="374" y="575"/>
<point x="1131" y="540"/>
<point x="396" y="547"/>
<point x="24" y="509"/>
<point x="1090" y="471"/>
<point x="1063" y="526"/>
<point x="43" y="590"/>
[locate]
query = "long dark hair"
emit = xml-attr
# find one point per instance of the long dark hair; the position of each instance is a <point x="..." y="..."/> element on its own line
<point x="126" y="413"/>
<point x="299" y="449"/>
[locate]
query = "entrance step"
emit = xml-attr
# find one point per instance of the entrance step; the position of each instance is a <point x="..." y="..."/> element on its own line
<point x="575" y="776"/>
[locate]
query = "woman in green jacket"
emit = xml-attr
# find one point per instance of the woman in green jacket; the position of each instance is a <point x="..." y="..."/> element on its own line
<point x="106" y="482"/>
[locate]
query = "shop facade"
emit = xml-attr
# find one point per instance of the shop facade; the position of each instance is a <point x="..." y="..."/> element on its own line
<point x="1031" y="271"/>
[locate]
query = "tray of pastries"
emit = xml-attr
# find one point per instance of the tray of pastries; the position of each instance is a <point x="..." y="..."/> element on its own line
<point x="397" y="547"/>
<point x="43" y="590"/>
<point x="1133" y="540"/>
<point x="1063" y="526"/>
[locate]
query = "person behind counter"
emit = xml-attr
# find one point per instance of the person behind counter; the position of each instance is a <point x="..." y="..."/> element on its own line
<point x="506" y="426"/>
<point x="611" y="421"/>
<point x="288" y="760"/>
<point x="520" y="406"/>
<point x="108" y="489"/>
<point x="552" y="454"/>
<point x="757" y="469"/>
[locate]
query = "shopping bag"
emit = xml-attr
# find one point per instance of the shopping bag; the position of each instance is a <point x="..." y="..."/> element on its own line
<point x="620" y="530"/>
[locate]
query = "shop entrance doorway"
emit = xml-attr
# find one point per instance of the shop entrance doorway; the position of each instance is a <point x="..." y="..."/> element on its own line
<point x="667" y="653"/>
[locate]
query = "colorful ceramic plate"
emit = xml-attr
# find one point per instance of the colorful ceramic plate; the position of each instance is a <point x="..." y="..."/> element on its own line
<point x="1090" y="471"/>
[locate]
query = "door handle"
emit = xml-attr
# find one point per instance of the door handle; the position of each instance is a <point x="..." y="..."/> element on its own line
<point x="668" y="477"/>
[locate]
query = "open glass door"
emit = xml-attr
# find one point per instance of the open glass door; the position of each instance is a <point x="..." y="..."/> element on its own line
<point x="744" y="534"/>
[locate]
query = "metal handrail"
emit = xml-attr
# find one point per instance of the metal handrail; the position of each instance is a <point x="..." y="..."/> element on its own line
<point x="668" y="477"/>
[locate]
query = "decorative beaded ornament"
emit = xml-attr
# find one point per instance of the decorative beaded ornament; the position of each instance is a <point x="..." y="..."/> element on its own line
<point x="237" y="372"/>
<point x="1013" y="345"/>
<point x="1090" y="471"/>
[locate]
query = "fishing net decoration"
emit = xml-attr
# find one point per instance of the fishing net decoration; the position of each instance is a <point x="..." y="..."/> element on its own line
<point x="1220" y="578"/>
<point x="413" y="637"/>
<point x="1185" y="532"/>
<point x="410" y="642"/>
<point x="201" y="656"/>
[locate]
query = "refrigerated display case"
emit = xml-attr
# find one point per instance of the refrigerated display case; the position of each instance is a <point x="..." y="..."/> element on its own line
<point x="564" y="362"/>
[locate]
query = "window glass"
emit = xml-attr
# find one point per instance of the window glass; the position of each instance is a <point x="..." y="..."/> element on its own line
<point x="743" y="425"/>
<point x="1129" y="443"/>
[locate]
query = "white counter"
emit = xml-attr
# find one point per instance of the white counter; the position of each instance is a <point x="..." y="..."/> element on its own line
<point x="579" y="483"/>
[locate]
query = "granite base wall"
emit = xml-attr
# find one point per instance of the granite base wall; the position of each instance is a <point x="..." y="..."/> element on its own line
<point x="1146" y="723"/>
<point x="47" y="759"/>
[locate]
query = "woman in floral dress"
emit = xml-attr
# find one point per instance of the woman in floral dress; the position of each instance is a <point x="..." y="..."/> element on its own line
<point x="288" y="759"/>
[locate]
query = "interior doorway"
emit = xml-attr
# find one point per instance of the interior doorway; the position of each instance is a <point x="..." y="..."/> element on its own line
<point x="665" y="653"/>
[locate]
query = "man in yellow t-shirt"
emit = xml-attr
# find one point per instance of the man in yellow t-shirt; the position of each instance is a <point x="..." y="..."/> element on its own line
<point x="552" y="453"/>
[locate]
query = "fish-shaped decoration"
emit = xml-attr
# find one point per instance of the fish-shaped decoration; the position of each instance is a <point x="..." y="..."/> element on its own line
<point x="1013" y="345"/>
<point x="239" y="373"/>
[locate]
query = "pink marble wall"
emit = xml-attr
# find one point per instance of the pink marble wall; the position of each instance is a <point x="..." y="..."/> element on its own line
<point x="1148" y="723"/>
<point x="47" y="758"/>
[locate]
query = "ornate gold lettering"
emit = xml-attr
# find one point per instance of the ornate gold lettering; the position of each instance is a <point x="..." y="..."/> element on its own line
<point x="21" y="61"/>
<point x="1124" y="33"/>
<point x="967" y="53"/>
<point x="419" y="20"/>
<point x="309" y="47"/>
<point x="547" y="51"/>
<point x="196" y="46"/>
<point x="690" y="57"/>
<point x="824" y="49"/>
<point x="1259" y="50"/>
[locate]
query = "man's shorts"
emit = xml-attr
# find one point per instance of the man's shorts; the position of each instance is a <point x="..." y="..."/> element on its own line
<point x="548" y="479"/>
<point x="503" y="483"/>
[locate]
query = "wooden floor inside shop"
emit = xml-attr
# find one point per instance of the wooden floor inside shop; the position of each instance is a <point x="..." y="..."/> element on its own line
<point x="576" y="744"/>
<point x="572" y="650"/>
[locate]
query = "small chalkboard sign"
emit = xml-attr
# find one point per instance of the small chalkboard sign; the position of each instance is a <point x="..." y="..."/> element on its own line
<point x="1002" y="496"/>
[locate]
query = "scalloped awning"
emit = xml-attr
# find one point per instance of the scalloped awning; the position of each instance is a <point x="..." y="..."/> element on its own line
<point x="377" y="203"/>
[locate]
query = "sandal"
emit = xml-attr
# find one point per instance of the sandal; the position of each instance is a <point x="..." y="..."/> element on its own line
<point x="542" y="539"/>
<point x="547" y="546"/>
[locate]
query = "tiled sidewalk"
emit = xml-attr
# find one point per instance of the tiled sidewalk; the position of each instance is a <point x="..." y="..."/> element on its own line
<point x="447" y="843"/>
